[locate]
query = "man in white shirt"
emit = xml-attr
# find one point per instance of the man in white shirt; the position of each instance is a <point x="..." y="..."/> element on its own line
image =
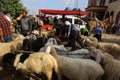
<point x="73" y="35"/>
<point x="72" y="30"/>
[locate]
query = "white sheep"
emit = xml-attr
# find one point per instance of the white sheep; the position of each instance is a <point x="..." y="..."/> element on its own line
<point x="110" y="65"/>
<point x="80" y="53"/>
<point x="93" y="39"/>
<point x="76" y="69"/>
<point x="112" y="48"/>
<point x="37" y="63"/>
<point x="13" y="45"/>
<point x="89" y="42"/>
<point x="54" y="42"/>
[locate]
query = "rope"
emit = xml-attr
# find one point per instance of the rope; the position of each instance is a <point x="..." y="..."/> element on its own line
<point x="21" y="51"/>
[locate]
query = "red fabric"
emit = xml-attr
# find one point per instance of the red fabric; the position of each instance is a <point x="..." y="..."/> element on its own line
<point x="63" y="12"/>
<point x="47" y="27"/>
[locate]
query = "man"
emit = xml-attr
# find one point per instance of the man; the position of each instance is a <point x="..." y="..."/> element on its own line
<point x="73" y="35"/>
<point x="111" y="25"/>
<point x="26" y="24"/>
<point x="5" y="27"/>
<point x="95" y="18"/>
<point x="72" y="31"/>
<point x="58" y="26"/>
<point x="84" y="31"/>
<point x="98" y="32"/>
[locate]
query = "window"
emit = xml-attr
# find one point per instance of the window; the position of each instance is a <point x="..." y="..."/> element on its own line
<point x="112" y="13"/>
<point x="107" y="15"/>
<point x="118" y="18"/>
<point x="102" y="2"/>
<point x="110" y="1"/>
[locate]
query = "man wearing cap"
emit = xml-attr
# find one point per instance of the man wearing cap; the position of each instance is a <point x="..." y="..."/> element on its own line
<point x="5" y="27"/>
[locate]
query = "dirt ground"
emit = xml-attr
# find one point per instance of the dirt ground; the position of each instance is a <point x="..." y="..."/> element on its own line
<point x="111" y="38"/>
<point x="10" y="74"/>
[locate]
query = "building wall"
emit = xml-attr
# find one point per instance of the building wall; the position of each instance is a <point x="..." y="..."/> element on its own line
<point x="97" y="2"/>
<point x="92" y="3"/>
<point x="107" y="3"/>
<point x="114" y="7"/>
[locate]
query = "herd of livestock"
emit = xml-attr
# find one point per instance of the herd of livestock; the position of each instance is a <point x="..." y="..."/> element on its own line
<point x="36" y="57"/>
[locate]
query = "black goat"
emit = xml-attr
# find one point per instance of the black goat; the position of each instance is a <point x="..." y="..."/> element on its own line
<point x="31" y="44"/>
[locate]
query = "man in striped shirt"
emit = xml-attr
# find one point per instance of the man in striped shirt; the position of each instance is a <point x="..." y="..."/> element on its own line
<point x="5" y="26"/>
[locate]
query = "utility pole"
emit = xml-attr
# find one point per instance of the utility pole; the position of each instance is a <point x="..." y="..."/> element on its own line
<point x="76" y="4"/>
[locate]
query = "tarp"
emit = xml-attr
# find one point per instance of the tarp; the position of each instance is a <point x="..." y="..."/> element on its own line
<point x="62" y="12"/>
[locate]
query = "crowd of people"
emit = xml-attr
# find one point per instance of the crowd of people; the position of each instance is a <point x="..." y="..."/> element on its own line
<point x="65" y="30"/>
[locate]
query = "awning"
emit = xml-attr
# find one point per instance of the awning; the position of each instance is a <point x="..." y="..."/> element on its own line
<point x="62" y="12"/>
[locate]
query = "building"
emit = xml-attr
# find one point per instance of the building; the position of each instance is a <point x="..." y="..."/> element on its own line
<point x="104" y="8"/>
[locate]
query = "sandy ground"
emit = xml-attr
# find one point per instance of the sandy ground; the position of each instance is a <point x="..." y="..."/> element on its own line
<point x="11" y="75"/>
<point x="111" y="38"/>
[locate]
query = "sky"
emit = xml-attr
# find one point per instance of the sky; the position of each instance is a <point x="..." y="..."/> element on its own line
<point x="34" y="5"/>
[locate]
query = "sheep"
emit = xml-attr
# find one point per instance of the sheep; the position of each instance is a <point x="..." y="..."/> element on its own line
<point x="80" y="53"/>
<point x="110" y="65"/>
<point x="92" y="25"/>
<point x="37" y="63"/>
<point x="36" y="32"/>
<point x="112" y="48"/>
<point x="6" y="47"/>
<point x="76" y="69"/>
<point x="93" y="39"/>
<point x="11" y="46"/>
<point x="54" y="42"/>
<point x="48" y="33"/>
<point x="34" y="43"/>
<point x="65" y="51"/>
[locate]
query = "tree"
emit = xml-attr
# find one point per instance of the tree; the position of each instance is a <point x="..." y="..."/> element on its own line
<point x="12" y="6"/>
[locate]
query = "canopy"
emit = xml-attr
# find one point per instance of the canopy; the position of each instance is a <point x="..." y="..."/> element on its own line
<point x="63" y="12"/>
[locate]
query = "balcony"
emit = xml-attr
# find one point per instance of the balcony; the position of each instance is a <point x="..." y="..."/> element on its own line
<point x="96" y="8"/>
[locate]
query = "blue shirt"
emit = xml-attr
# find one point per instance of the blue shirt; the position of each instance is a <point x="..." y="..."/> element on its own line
<point x="98" y="30"/>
